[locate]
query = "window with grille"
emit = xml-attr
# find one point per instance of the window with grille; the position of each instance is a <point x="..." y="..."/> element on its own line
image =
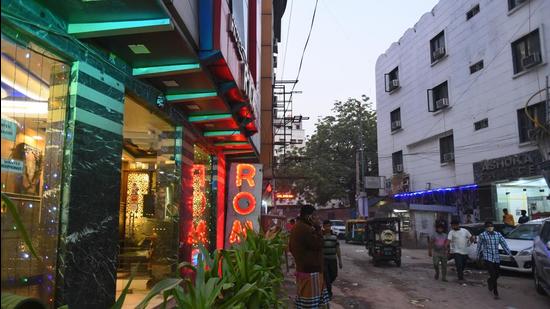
<point x="395" y="118"/>
<point x="476" y="67"/>
<point x="447" y="149"/>
<point x="437" y="47"/>
<point x="397" y="162"/>
<point x="483" y="123"/>
<point x="526" y="52"/>
<point x="472" y="12"/>
<point x="527" y="127"/>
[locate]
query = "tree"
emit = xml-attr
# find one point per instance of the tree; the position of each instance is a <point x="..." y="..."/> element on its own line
<point x="327" y="163"/>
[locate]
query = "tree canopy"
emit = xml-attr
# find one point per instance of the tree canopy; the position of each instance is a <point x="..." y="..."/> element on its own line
<point x="325" y="168"/>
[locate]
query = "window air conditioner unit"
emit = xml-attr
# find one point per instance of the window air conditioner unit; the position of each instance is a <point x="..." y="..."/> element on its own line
<point x="399" y="168"/>
<point x="531" y="60"/>
<point x="395" y="124"/>
<point x="439" y="52"/>
<point x="448" y="157"/>
<point x="395" y="83"/>
<point x="442" y="103"/>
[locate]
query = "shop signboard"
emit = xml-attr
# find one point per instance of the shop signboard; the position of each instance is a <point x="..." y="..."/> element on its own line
<point x="524" y="164"/>
<point x="9" y="129"/>
<point x="243" y="201"/>
<point x="12" y="166"/>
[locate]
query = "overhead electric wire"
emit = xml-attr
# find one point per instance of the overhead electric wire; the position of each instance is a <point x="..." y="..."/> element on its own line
<point x="301" y="59"/>
<point x="286" y="39"/>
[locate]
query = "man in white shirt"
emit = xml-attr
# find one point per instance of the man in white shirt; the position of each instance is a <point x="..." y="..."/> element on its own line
<point x="459" y="239"/>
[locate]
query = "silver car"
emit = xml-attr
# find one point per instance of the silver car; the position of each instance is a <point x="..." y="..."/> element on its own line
<point x="541" y="258"/>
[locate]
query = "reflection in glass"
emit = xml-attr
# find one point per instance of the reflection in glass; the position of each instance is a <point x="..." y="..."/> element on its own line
<point x="34" y="94"/>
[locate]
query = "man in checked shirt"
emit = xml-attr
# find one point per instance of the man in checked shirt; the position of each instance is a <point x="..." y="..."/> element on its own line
<point x="487" y="248"/>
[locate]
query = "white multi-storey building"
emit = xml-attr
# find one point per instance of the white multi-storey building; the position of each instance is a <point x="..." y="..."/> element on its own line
<point x="295" y="137"/>
<point x="451" y="95"/>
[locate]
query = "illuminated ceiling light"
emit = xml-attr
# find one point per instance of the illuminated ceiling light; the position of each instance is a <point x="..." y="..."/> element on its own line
<point x="173" y="69"/>
<point x="231" y="144"/>
<point x="139" y="49"/>
<point x="203" y="118"/>
<point x="221" y="133"/>
<point x="170" y="83"/>
<point x="24" y="107"/>
<point x="101" y="29"/>
<point x="190" y="96"/>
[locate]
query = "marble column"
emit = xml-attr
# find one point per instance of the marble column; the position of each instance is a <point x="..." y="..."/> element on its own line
<point x="88" y="247"/>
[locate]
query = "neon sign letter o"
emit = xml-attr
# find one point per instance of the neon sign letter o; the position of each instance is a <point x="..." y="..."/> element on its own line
<point x="251" y="203"/>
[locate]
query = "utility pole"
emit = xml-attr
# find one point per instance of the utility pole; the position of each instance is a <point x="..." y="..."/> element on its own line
<point x="361" y="194"/>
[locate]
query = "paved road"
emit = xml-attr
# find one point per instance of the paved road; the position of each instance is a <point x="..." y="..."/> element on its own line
<point x="362" y="285"/>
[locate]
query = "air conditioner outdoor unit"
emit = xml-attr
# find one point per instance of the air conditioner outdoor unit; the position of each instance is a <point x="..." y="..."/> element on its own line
<point x="439" y="52"/>
<point x="531" y="60"/>
<point x="395" y="83"/>
<point x="442" y="103"/>
<point x="448" y="157"/>
<point x="399" y="168"/>
<point x="396" y="124"/>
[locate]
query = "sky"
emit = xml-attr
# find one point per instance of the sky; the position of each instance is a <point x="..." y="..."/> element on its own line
<point x="347" y="38"/>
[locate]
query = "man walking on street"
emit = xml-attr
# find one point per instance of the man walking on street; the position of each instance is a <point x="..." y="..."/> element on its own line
<point x="306" y="245"/>
<point x="524" y="218"/>
<point x="459" y="239"/>
<point x="437" y="248"/>
<point x="507" y="218"/>
<point x="331" y="251"/>
<point x="487" y="249"/>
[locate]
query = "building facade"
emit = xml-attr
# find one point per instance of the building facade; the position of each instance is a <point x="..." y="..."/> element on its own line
<point x="453" y="135"/>
<point x="122" y="123"/>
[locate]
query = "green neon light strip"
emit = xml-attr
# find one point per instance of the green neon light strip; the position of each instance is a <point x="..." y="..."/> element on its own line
<point x="221" y="133"/>
<point x="88" y="30"/>
<point x="201" y="118"/>
<point x="190" y="96"/>
<point x="165" y="69"/>
<point x="231" y="144"/>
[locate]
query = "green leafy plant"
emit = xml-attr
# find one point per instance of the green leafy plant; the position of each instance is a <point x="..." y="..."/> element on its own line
<point x="250" y="277"/>
<point x="12" y="210"/>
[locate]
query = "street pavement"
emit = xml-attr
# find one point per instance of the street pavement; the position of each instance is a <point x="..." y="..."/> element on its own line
<point x="362" y="285"/>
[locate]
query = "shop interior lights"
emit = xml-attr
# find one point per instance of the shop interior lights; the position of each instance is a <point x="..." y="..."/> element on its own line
<point x="432" y="191"/>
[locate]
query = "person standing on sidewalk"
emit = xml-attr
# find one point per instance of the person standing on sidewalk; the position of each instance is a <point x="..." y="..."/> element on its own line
<point x="306" y="246"/>
<point x="487" y="249"/>
<point x="524" y="217"/>
<point x="459" y="239"/>
<point x="331" y="252"/>
<point x="437" y="249"/>
<point x="507" y="218"/>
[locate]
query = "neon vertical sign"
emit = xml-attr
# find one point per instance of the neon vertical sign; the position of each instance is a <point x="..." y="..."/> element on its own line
<point x="244" y="193"/>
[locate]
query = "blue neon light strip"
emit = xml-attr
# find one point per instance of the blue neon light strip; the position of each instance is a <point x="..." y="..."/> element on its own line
<point x="87" y="30"/>
<point x="440" y="190"/>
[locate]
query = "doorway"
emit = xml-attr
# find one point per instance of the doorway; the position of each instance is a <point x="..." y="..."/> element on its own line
<point x="149" y="199"/>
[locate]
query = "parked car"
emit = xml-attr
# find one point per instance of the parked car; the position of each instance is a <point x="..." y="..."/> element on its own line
<point x="338" y="228"/>
<point x="541" y="259"/>
<point x="520" y="242"/>
<point x="477" y="228"/>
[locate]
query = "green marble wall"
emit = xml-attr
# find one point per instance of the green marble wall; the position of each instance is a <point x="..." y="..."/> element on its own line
<point x="88" y="247"/>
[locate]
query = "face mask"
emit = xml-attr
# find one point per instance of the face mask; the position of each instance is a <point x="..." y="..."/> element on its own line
<point x="490" y="228"/>
<point x="456" y="228"/>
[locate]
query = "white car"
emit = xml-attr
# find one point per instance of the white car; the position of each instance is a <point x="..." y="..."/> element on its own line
<point x="338" y="228"/>
<point x="520" y="242"/>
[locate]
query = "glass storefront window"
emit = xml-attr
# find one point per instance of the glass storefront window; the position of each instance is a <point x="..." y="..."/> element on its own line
<point x="34" y="97"/>
<point x="149" y="200"/>
<point x="524" y="194"/>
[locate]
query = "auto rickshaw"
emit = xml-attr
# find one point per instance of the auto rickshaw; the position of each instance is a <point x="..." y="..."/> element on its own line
<point x="383" y="240"/>
<point x="355" y="230"/>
